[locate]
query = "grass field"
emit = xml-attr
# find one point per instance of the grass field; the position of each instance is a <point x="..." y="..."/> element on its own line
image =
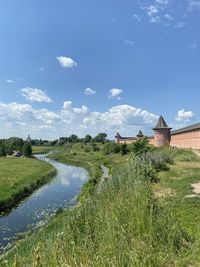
<point x="130" y="222"/>
<point x="42" y="149"/>
<point x="19" y="177"/>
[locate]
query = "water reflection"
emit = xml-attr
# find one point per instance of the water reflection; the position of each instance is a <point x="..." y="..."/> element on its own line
<point x="42" y="204"/>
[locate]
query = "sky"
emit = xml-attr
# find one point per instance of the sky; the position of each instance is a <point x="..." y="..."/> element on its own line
<point x="87" y="66"/>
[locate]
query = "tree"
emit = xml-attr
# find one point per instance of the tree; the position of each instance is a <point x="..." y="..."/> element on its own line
<point x="27" y="149"/>
<point x="2" y="150"/>
<point x="141" y="146"/>
<point x="87" y="138"/>
<point x="73" y="138"/>
<point x="14" y="144"/>
<point x="124" y="149"/>
<point x="101" y="138"/>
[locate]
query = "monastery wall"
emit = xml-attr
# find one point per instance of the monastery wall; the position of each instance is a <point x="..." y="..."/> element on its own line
<point x="189" y="139"/>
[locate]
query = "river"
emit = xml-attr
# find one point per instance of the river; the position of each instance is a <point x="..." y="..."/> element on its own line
<point x="37" y="209"/>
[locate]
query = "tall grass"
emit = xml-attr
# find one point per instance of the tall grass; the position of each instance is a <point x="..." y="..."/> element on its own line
<point x="121" y="225"/>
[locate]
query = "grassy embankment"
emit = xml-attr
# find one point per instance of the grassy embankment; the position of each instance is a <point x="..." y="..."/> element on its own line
<point x="42" y="149"/>
<point x="19" y="177"/>
<point x="125" y="224"/>
<point x="83" y="155"/>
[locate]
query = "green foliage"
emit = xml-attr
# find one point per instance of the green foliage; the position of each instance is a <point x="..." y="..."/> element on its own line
<point x="88" y="138"/>
<point x="121" y="225"/>
<point x="124" y="149"/>
<point x="95" y="147"/>
<point x="19" y="177"/>
<point x="100" y="138"/>
<point x="141" y="146"/>
<point x="110" y="148"/>
<point x="2" y="149"/>
<point x="27" y="149"/>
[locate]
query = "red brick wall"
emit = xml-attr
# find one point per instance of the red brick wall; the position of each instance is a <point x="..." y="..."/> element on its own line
<point x="186" y="140"/>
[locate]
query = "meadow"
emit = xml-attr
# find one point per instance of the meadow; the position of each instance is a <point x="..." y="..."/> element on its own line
<point x="140" y="217"/>
<point x="19" y="177"/>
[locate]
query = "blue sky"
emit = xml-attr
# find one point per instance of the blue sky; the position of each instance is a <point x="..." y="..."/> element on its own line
<point x="84" y="66"/>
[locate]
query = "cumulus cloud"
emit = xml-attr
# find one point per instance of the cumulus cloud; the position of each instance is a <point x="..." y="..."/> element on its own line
<point x="90" y="91"/>
<point x="184" y="115"/>
<point x="66" y="62"/>
<point x="115" y="93"/>
<point x="67" y="104"/>
<point x="21" y="119"/>
<point x="35" y="95"/>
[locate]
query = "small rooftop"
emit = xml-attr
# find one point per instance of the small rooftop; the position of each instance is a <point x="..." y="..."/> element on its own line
<point x="140" y="134"/>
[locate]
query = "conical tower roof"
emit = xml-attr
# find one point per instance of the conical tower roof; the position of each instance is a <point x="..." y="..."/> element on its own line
<point x="140" y="134"/>
<point x="117" y="135"/>
<point x="161" y="124"/>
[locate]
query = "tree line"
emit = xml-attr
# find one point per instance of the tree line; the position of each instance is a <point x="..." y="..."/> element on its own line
<point x="99" y="138"/>
<point x="8" y="146"/>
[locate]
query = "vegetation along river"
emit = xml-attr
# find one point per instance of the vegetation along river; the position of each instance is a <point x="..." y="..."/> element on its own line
<point x="36" y="210"/>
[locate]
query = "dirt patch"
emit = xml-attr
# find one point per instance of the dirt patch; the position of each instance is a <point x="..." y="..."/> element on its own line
<point x="164" y="192"/>
<point x="196" y="190"/>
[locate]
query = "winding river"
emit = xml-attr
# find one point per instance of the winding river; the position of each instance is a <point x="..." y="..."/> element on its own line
<point x="36" y="210"/>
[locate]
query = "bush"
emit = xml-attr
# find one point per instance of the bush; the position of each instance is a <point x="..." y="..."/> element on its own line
<point x="124" y="149"/>
<point x="141" y="146"/>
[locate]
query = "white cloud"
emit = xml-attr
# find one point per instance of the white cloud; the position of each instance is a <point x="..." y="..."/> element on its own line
<point x="162" y="2"/>
<point x="89" y="91"/>
<point x="82" y="110"/>
<point x="153" y="13"/>
<point x="184" y="115"/>
<point x="115" y="93"/>
<point x="35" y="95"/>
<point x="67" y="104"/>
<point x="20" y="119"/>
<point x="9" y="81"/>
<point x="66" y="62"/>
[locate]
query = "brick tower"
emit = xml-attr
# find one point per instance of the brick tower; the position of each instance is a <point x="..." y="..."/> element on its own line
<point x="162" y="133"/>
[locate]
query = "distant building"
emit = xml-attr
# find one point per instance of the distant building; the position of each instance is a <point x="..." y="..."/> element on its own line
<point x="28" y="139"/>
<point x="188" y="137"/>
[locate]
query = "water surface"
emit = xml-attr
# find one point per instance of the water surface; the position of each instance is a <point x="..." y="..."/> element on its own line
<point x="36" y="210"/>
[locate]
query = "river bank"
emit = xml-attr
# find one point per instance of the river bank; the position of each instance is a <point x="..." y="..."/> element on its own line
<point x="124" y="224"/>
<point x="43" y="204"/>
<point x="19" y="177"/>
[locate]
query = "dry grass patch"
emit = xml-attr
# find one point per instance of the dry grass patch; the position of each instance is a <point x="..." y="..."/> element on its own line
<point x="164" y="192"/>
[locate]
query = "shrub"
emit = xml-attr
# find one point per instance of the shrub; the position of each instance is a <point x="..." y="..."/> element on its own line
<point x="124" y="149"/>
<point x="141" y="146"/>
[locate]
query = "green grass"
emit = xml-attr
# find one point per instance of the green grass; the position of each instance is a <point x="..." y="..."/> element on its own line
<point x="129" y="222"/>
<point x="42" y="149"/>
<point x="19" y="177"/>
<point x="83" y="155"/>
<point x="122" y="225"/>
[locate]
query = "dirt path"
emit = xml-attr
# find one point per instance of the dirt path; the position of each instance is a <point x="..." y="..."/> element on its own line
<point x="105" y="176"/>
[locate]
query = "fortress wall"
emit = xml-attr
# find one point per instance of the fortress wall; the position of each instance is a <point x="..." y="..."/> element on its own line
<point x="189" y="139"/>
